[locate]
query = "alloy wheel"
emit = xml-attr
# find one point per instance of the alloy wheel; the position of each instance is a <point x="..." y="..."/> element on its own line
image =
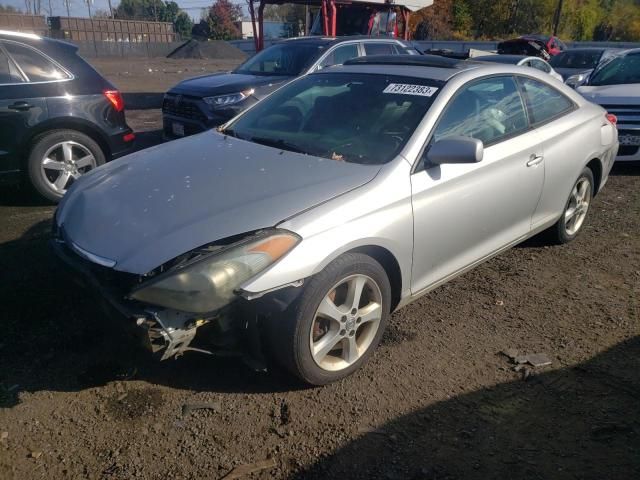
<point x="578" y="206"/>
<point x="65" y="162"/>
<point x="346" y="322"/>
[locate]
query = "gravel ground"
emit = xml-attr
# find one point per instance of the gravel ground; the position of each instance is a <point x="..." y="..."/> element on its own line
<point x="436" y="401"/>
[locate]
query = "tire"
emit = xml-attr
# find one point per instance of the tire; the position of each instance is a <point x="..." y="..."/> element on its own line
<point x="57" y="155"/>
<point x="568" y="227"/>
<point x="295" y="338"/>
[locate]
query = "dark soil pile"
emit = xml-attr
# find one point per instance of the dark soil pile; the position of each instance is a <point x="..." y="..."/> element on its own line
<point x="216" y="49"/>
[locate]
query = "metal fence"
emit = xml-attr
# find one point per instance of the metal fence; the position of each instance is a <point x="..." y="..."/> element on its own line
<point x="24" y="23"/>
<point x="111" y="30"/>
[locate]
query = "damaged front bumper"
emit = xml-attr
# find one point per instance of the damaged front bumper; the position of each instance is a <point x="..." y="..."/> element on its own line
<point x="235" y="329"/>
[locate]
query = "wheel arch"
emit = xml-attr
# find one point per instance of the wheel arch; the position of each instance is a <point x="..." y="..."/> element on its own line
<point x="66" y="123"/>
<point x="595" y="165"/>
<point x="390" y="265"/>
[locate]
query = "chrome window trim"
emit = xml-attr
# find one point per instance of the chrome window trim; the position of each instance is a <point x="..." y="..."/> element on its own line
<point x="70" y="76"/>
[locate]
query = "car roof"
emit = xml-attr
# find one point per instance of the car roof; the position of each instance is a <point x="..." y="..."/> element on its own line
<point x="514" y="59"/>
<point x="322" y="40"/>
<point x="382" y="65"/>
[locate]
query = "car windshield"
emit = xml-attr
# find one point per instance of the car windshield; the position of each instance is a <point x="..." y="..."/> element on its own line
<point x="584" y="60"/>
<point x="617" y="71"/>
<point x="358" y="118"/>
<point x="288" y="59"/>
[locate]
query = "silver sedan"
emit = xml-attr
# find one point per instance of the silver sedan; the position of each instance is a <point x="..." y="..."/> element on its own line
<point x="294" y="231"/>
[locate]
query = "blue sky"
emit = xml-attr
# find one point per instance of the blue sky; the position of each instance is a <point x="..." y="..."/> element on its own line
<point x="79" y="7"/>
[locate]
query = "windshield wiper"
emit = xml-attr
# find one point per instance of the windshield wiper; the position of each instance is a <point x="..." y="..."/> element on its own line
<point x="276" y="143"/>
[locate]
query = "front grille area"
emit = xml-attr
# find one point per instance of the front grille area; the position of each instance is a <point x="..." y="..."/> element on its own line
<point x="627" y="114"/>
<point x="185" y="108"/>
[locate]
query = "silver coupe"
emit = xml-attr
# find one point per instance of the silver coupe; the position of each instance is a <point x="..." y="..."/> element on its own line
<point x="295" y="230"/>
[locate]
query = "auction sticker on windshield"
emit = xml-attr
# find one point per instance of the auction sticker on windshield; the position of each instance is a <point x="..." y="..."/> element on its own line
<point x="408" y="89"/>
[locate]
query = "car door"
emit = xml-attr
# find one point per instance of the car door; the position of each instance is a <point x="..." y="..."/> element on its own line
<point x="10" y="118"/>
<point x="32" y="76"/>
<point x="463" y="213"/>
<point x="548" y="108"/>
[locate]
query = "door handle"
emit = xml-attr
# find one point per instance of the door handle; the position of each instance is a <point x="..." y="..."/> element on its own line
<point x="20" y="106"/>
<point x="534" y="160"/>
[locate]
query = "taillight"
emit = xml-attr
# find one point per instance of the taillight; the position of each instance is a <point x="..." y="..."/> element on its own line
<point x="115" y="98"/>
<point x="612" y="118"/>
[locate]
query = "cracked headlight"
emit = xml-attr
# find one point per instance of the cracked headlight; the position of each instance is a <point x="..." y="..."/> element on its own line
<point x="227" y="99"/>
<point x="208" y="283"/>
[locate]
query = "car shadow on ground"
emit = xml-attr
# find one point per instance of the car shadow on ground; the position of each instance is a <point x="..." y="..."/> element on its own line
<point x="577" y="422"/>
<point x="55" y="336"/>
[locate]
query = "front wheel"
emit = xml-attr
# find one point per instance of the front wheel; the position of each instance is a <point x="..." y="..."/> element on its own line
<point x="337" y="323"/>
<point x="575" y="210"/>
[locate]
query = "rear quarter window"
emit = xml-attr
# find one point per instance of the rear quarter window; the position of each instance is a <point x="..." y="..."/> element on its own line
<point x="35" y="65"/>
<point x="543" y="101"/>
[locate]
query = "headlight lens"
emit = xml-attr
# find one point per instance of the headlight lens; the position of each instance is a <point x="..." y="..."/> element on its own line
<point x="228" y="99"/>
<point x="209" y="284"/>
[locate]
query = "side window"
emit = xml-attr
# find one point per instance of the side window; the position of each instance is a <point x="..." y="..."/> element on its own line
<point x="543" y="101"/>
<point x="35" y="66"/>
<point x="379" y="48"/>
<point x="340" y="55"/>
<point x="489" y="110"/>
<point x="8" y="72"/>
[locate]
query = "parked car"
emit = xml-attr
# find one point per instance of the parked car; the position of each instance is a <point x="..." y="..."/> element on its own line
<point x="615" y="85"/>
<point x="204" y="102"/>
<point x="59" y="118"/>
<point x="577" y="61"/>
<point x="304" y="233"/>
<point x="542" y="46"/>
<point x="522" y="61"/>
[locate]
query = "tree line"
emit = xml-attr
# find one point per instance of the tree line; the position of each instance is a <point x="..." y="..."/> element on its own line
<point x="599" y="20"/>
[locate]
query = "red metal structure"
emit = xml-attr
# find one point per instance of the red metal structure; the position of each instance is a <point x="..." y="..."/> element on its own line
<point x="376" y="17"/>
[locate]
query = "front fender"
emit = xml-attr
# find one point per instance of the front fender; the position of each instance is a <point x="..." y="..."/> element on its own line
<point x="377" y="214"/>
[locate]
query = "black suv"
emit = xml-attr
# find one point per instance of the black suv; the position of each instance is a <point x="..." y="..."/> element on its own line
<point x="59" y="118"/>
<point x="200" y="103"/>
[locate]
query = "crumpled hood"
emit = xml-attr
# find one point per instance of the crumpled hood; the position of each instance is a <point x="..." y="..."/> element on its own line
<point x="149" y="207"/>
<point x="221" y="83"/>
<point x="628" y="94"/>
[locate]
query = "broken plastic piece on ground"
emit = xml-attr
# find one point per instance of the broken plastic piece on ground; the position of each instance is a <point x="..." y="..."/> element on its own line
<point x="534" y="359"/>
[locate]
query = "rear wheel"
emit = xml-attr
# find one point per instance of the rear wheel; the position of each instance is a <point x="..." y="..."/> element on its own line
<point x="575" y="210"/>
<point x="60" y="157"/>
<point x="338" y="321"/>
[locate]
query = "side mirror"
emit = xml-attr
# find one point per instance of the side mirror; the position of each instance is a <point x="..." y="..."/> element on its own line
<point x="455" y="150"/>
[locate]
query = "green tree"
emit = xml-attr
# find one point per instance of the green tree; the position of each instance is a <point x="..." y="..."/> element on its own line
<point x="219" y="22"/>
<point x="183" y="25"/>
<point x="155" y="10"/>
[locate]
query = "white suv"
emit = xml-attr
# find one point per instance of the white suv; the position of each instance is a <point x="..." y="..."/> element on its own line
<point x="616" y="87"/>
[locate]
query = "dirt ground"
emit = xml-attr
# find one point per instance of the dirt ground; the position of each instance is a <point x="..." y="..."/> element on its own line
<point x="437" y="401"/>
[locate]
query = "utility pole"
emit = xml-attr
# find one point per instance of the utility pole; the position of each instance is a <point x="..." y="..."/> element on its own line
<point x="89" y="7"/>
<point x="110" y="8"/>
<point x="556" y="18"/>
<point x="66" y="4"/>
